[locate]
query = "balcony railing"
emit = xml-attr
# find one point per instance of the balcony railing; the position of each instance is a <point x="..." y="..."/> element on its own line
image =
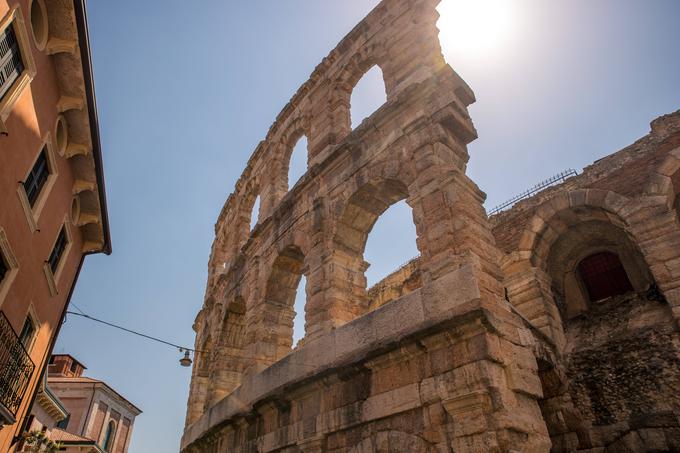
<point x="16" y="367"/>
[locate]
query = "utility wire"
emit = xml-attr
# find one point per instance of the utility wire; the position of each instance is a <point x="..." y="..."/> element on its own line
<point x="77" y="308"/>
<point x="91" y="318"/>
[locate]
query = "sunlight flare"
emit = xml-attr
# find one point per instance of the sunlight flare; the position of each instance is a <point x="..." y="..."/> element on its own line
<point x="475" y="28"/>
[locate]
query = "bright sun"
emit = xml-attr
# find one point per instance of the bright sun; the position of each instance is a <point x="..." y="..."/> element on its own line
<point x="475" y="28"/>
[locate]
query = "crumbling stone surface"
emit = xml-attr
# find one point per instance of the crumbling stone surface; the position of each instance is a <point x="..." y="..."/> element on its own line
<point x="489" y="340"/>
<point x="403" y="281"/>
<point x="613" y="383"/>
<point x="431" y="359"/>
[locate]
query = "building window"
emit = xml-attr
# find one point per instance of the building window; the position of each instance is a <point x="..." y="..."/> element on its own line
<point x="604" y="276"/>
<point x="17" y="67"/>
<point x="35" y="189"/>
<point x="74" y="366"/>
<point x="27" y="334"/>
<point x="11" y="63"/>
<point x="55" y="263"/>
<point x="4" y="268"/>
<point x="63" y="424"/>
<point x="37" y="178"/>
<point x="109" y="436"/>
<point x="58" y="250"/>
<point x="9" y="266"/>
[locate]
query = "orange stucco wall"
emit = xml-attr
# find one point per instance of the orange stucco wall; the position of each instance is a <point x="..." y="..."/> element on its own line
<point x="32" y="118"/>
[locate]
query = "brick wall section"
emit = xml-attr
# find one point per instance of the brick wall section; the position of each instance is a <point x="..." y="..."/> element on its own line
<point x="122" y="441"/>
<point x="609" y="388"/>
<point x="98" y="424"/>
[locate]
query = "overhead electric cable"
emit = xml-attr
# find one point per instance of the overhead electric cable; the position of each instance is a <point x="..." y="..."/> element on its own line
<point x="91" y="318"/>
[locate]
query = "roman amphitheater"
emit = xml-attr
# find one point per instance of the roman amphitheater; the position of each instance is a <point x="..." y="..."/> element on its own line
<point x="549" y="326"/>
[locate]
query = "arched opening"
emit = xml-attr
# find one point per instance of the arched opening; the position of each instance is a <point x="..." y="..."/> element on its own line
<point x="280" y="298"/>
<point x="229" y="363"/>
<point x="592" y="260"/>
<point x="299" y="307"/>
<point x="393" y="242"/>
<point x="603" y="275"/>
<point x="255" y="213"/>
<point x="368" y="96"/>
<point x="297" y="164"/>
<point x="109" y="436"/>
<point x="601" y="282"/>
<point x="200" y="381"/>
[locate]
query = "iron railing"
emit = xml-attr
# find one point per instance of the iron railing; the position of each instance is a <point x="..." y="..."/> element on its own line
<point x="16" y="367"/>
<point x="534" y="190"/>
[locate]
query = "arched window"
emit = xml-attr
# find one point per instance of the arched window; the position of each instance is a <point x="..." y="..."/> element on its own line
<point x="368" y="96"/>
<point x="255" y="213"/>
<point x="283" y="292"/>
<point x="391" y="242"/>
<point x="297" y="165"/>
<point x="299" y="307"/>
<point x="109" y="436"/>
<point x="604" y="276"/>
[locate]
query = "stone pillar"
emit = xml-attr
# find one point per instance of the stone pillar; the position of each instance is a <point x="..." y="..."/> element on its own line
<point x="530" y="293"/>
<point x="342" y="294"/>
<point x="657" y="231"/>
<point x="228" y="360"/>
<point x="270" y="313"/>
<point x="491" y="393"/>
<point x="275" y="186"/>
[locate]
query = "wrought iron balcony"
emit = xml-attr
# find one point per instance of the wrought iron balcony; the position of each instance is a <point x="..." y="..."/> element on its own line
<point x="16" y="369"/>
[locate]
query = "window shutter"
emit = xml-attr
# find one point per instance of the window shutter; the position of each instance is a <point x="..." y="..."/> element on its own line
<point x="11" y="63"/>
<point x="37" y="178"/>
<point x="58" y="250"/>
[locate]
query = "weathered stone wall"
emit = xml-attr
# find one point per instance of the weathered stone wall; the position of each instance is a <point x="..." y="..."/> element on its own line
<point x="399" y="283"/>
<point x="438" y="362"/>
<point x="488" y="341"/>
<point x="613" y="385"/>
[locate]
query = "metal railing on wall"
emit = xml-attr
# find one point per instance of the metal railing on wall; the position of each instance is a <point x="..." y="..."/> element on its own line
<point x="16" y="367"/>
<point x="560" y="177"/>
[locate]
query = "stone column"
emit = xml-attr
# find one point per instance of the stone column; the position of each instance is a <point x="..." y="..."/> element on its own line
<point x="657" y="231"/>
<point x="530" y="293"/>
<point x="491" y="393"/>
<point x="228" y="362"/>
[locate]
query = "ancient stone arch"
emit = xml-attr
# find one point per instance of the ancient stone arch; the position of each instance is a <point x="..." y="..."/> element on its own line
<point x="343" y="377"/>
<point x="596" y="352"/>
<point x="665" y="181"/>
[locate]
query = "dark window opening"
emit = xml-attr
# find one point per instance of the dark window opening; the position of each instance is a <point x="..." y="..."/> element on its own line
<point x="11" y="63"/>
<point x="27" y="332"/>
<point x="37" y="178"/>
<point x="108" y="437"/>
<point x="58" y="250"/>
<point x="51" y="360"/>
<point x="4" y="268"/>
<point x="63" y="424"/>
<point x="74" y="366"/>
<point x="604" y="276"/>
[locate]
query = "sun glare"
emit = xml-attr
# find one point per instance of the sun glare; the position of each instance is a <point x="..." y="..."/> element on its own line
<point x="475" y="28"/>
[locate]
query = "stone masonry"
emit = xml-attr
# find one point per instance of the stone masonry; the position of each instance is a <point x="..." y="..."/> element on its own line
<point x="487" y="342"/>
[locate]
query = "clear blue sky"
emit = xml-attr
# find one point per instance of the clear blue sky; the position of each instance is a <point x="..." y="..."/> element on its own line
<point x="187" y="89"/>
